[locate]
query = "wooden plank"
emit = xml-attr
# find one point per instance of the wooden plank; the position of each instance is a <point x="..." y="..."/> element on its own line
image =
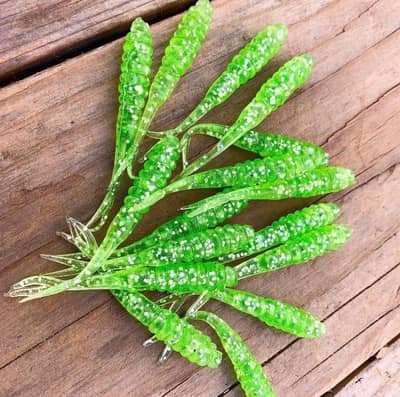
<point x="381" y="378"/>
<point x="33" y="32"/>
<point x="337" y="278"/>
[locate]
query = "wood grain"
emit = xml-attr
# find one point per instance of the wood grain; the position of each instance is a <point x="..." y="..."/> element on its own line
<point x="56" y="148"/>
<point x="33" y="32"/>
<point x="381" y="378"/>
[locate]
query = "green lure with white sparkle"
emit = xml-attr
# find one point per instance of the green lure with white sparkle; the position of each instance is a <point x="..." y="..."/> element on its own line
<point x="274" y="313"/>
<point x="248" y="370"/>
<point x="171" y="329"/>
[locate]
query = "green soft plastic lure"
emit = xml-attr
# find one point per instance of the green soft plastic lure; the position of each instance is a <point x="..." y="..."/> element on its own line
<point x="271" y="95"/>
<point x="304" y="248"/>
<point x="249" y="173"/>
<point x="177" y="227"/>
<point x="171" y="329"/>
<point x="262" y="143"/>
<point x="189" y="278"/>
<point x="248" y="370"/>
<point x="133" y="89"/>
<point x="272" y="312"/>
<point x="286" y="228"/>
<point x="184" y="224"/>
<point x="178" y="57"/>
<point x="315" y="182"/>
<point x="243" y="67"/>
<point x="192" y="247"/>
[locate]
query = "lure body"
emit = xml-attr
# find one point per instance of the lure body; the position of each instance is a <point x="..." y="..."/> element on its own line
<point x="243" y="67"/>
<point x="133" y="85"/>
<point x="248" y="370"/>
<point x="184" y="224"/>
<point x="286" y="228"/>
<point x="262" y="143"/>
<point x="274" y="313"/>
<point x="192" y="247"/>
<point x="315" y="182"/>
<point x="178" y="57"/>
<point x="190" y="278"/>
<point x="171" y="329"/>
<point x="271" y="95"/>
<point x="249" y="173"/>
<point x="255" y="172"/>
<point x="304" y="248"/>
<point x="157" y="169"/>
<point x="133" y="88"/>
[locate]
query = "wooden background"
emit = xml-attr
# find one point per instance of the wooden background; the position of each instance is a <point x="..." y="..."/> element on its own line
<point x="59" y="63"/>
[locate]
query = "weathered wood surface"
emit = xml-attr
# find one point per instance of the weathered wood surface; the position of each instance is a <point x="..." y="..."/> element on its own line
<point x="56" y="155"/>
<point x="381" y="378"/>
<point x="34" y="31"/>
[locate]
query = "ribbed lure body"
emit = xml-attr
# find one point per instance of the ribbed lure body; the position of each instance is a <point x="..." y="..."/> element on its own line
<point x="157" y="169"/>
<point x="184" y="224"/>
<point x="256" y="172"/>
<point x="274" y="313"/>
<point x="190" y="278"/>
<point x="304" y="248"/>
<point x="178" y="57"/>
<point x="262" y="143"/>
<point x="192" y="247"/>
<point x="171" y="329"/>
<point x="271" y="95"/>
<point x="134" y="83"/>
<point x="180" y="53"/>
<point x="286" y="228"/>
<point x="133" y="89"/>
<point x="161" y="161"/>
<point x="315" y="182"/>
<point x="243" y="67"/>
<point x="248" y="370"/>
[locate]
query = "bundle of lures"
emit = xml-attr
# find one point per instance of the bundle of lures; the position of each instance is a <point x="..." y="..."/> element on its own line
<point x="190" y="256"/>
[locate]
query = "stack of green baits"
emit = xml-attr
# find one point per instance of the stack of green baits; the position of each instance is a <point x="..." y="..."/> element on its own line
<point x="190" y="255"/>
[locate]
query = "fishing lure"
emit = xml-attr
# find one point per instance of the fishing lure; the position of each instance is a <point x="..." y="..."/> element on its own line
<point x="171" y="329"/>
<point x="248" y="173"/>
<point x="248" y="370"/>
<point x="178" y="57"/>
<point x="271" y="95"/>
<point x="242" y="68"/>
<point x="183" y="224"/>
<point x="315" y="182"/>
<point x="286" y="228"/>
<point x="304" y="248"/>
<point x="192" y="247"/>
<point x="172" y="229"/>
<point x="133" y="89"/>
<point x="189" y="278"/>
<point x="272" y="312"/>
<point x="262" y="143"/>
<point x="160" y="163"/>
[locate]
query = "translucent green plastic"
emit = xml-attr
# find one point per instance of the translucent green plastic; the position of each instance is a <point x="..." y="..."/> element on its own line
<point x="286" y="228"/>
<point x="190" y="278"/>
<point x="171" y="329"/>
<point x="306" y="247"/>
<point x="248" y="370"/>
<point x="270" y="96"/>
<point x="274" y="313"/>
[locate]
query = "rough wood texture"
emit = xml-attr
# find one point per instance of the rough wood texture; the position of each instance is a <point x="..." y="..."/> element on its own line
<point x="381" y="378"/>
<point x="34" y="31"/>
<point x="56" y="155"/>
